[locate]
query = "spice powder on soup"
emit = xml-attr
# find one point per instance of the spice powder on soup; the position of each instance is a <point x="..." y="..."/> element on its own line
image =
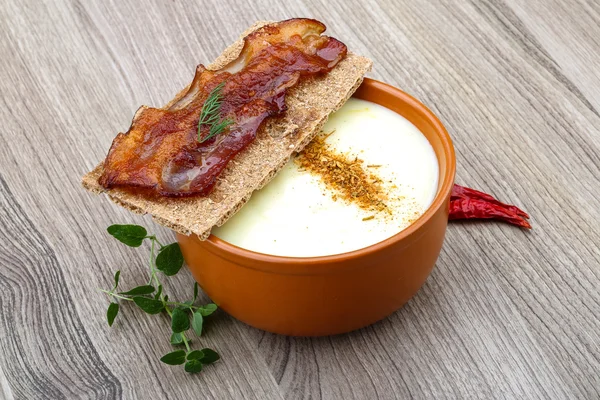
<point x="346" y="176"/>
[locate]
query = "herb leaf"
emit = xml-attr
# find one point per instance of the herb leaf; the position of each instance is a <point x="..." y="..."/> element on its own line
<point x="208" y="309"/>
<point x="210" y="356"/>
<point x="111" y="313"/>
<point x="149" y="306"/>
<point x="176" y="357"/>
<point x="131" y="235"/>
<point x="197" y="321"/>
<point x="193" y="366"/>
<point x="170" y="259"/>
<point x="176" y="338"/>
<point x="195" y="355"/>
<point x="117" y="275"/>
<point x="211" y="114"/>
<point x="145" y="289"/>
<point x="180" y="321"/>
<point x="217" y="128"/>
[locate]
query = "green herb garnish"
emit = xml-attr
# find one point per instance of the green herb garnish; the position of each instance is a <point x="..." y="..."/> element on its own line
<point x="211" y="114"/>
<point x="169" y="261"/>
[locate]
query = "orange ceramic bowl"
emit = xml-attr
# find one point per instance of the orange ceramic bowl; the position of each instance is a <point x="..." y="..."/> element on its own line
<point x="316" y="296"/>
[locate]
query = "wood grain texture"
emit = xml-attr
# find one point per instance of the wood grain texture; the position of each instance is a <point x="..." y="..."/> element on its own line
<point x="505" y="314"/>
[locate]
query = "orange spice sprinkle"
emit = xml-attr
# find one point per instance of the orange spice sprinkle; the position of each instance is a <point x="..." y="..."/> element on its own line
<point x="345" y="176"/>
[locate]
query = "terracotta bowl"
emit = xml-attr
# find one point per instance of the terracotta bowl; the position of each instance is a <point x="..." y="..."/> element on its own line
<point x="316" y="296"/>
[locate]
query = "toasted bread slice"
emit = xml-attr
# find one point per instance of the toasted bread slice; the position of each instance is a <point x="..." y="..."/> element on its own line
<point x="309" y="105"/>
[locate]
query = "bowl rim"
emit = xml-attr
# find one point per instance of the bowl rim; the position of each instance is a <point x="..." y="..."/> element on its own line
<point x="260" y="260"/>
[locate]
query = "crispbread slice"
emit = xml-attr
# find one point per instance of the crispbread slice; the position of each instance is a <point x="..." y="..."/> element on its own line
<point x="309" y="105"/>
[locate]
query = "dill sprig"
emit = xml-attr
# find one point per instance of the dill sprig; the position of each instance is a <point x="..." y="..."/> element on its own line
<point x="211" y="114"/>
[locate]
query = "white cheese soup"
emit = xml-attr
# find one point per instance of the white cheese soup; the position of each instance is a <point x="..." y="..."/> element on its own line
<point x="368" y="176"/>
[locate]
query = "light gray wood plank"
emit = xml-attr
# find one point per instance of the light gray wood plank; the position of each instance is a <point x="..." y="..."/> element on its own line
<point x="568" y="32"/>
<point x="38" y="332"/>
<point x="506" y="313"/>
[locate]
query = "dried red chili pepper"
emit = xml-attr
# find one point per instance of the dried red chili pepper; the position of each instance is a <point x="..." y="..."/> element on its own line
<point x="466" y="203"/>
<point x="465" y="192"/>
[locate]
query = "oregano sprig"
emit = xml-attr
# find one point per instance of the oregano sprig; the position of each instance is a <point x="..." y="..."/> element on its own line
<point x="151" y="299"/>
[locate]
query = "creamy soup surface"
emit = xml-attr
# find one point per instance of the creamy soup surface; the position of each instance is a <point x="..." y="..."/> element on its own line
<point x="298" y="215"/>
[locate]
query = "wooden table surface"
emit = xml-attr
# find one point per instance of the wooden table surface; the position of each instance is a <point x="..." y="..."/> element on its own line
<point x="505" y="314"/>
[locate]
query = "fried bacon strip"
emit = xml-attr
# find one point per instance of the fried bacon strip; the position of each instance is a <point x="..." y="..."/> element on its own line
<point x="161" y="152"/>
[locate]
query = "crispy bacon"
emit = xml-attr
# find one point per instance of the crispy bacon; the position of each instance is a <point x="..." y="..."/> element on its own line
<point x="161" y="152"/>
